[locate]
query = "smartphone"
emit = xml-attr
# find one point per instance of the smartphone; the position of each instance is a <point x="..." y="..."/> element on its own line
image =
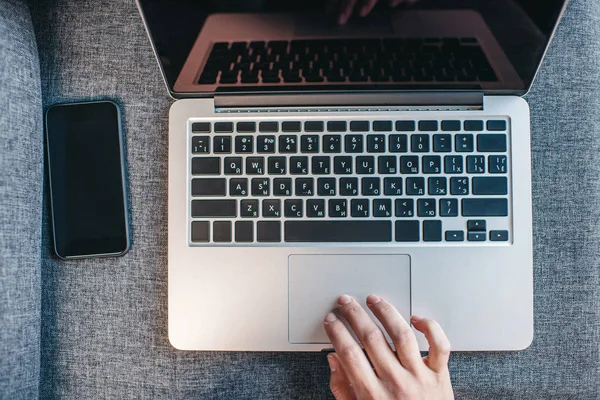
<point x="87" y="180"/>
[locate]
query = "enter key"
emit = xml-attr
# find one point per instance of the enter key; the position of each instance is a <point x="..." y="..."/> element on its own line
<point x="488" y="185"/>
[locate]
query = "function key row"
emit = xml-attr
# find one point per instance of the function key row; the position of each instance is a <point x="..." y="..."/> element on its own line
<point x="348" y="165"/>
<point x="351" y="143"/>
<point x="352" y="126"/>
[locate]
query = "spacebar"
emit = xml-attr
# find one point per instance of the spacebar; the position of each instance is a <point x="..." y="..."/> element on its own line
<point x="338" y="231"/>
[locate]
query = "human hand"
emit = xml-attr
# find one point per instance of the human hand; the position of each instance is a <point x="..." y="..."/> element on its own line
<point x="402" y="376"/>
<point x="345" y="8"/>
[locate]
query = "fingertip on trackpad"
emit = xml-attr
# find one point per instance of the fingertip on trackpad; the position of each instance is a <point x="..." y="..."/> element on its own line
<point x="316" y="281"/>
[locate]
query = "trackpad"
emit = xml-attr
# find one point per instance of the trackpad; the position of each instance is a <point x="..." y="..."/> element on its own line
<point x="316" y="281"/>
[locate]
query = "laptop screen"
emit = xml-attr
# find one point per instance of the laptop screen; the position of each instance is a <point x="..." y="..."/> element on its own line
<point x="207" y="46"/>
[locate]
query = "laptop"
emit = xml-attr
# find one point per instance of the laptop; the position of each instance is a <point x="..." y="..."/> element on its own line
<point x="388" y="155"/>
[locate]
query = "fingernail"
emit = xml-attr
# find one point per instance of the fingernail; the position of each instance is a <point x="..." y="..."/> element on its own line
<point x="332" y="363"/>
<point x="344" y="299"/>
<point x="372" y="299"/>
<point x="343" y="18"/>
<point x="416" y="318"/>
<point x="364" y="10"/>
<point x="330" y="317"/>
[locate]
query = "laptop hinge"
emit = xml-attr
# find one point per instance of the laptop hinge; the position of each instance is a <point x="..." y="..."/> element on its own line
<point x="405" y="100"/>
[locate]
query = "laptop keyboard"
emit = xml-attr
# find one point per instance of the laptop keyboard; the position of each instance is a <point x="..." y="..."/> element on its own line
<point x="356" y="60"/>
<point x="280" y="182"/>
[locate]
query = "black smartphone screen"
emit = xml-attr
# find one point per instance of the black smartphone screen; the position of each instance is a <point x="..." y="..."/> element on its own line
<point x="86" y="179"/>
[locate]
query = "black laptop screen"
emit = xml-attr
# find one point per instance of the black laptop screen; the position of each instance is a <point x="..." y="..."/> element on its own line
<point x="490" y="45"/>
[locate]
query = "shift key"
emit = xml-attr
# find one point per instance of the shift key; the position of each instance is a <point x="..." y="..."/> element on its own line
<point x="214" y="208"/>
<point x="485" y="207"/>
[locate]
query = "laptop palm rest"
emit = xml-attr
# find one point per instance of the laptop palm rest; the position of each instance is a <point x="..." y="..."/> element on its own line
<point x="316" y="281"/>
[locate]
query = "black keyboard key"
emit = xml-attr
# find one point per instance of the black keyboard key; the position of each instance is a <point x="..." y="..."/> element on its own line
<point x="496" y="125"/>
<point x="214" y="208"/>
<point x="326" y="186"/>
<point x="437" y="186"/>
<point x="282" y="186"/>
<point x="353" y="143"/>
<point x="261" y="187"/>
<point x="315" y="208"/>
<point x="291" y="126"/>
<point x="475" y="164"/>
<point x="208" y="187"/>
<point x="476" y="236"/>
<point x="338" y="231"/>
<point x="376" y="143"/>
<point x="452" y="126"/>
<point x="304" y="187"/>
<point x="365" y="165"/>
<point x="223" y="127"/>
<point x="498" y="236"/>
<point x="268" y="232"/>
<point x="432" y="164"/>
<point x="415" y="186"/>
<point x="426" y="208"/>
<point x="277" y="165"/>
<point x="359" y="208"/>
<point x="490" y="185"/>
<point x="386" y="165"/>
<point x="398" y="143"/>
<point x="255" y="165"/>
<point x="442" y="143"/>
<point x="478" y="225"/>
<point x="453" y="164"/>
<point x="268" y="127"/>
<point x="238" y="187"/>
<point x="201" y="127"/>
<point x="336" y="126"/>
<point x="342" y="165"/>
<point x="288" y="144"/>
<point x="455" y="236"/>
<point x="337" y="208"/>
<point x="271" y="208"/>
<point x="370" y="187"/>
<point x="299" y="165"/>
<point x="489" y="142"/>
<point x="473" y="125"/>
<point x="497" y="164"/>
<point x="233" y="165"/>
<point x="405" y="126"/>
<point x="382" y="126"/>
<point x="314" y="126"/>
<point x="464" y="142"/>
<point x="348" y="186"/>
<point x="485" y="207"/>
<point x="392" y="186"/>
<point x="222" y="144"/>
<point x="382" y="208"/>
<point x="206" y="166"/>
<point x="200" y="232"/>
<point x="244" y="144"/>
<point x="200" y="144"/>
<point x="309" y="143"/>
<point x="265" y="144"/>
<point x="448" y="208"/>
<point x="459" y="186"/>
<point x="222" y="231"/>
<point x="245" y="127"/>
<point x="244" y="231"/>
<point x="405" y="208"/>
<point x="359" y="126"/>
<point x="407" y="231"/>
<point x="428" y="125"/>
<point x="249" y="209"/>
<point x="332" y="144"/>
<point x="419" y="143"/>
<point x="293" y="208"/>
<point x="409" y="164"/>
<point x="321" y="165"/>
<point x="432" y="231"/>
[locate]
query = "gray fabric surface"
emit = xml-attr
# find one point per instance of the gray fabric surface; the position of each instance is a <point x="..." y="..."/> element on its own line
<point x="104" y="322"/>
<point x="21" y="164"/>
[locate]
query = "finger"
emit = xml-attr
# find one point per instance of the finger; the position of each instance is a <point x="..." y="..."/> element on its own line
<point x="381" y="355"/>
<point x="394" y="3"/>
<point x="347" y="6"/>
<point x="339" y="383"/>
<point x="351" y="357"/>
<point x="399" y="331"/>
<point x="439" y="345"/>
<point x="367" y="7"/>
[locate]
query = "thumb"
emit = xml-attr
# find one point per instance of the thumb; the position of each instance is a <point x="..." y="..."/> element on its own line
<point x="338" y="383"/>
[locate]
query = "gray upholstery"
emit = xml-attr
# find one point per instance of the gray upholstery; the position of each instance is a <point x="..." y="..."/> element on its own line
<point x="104" y="322"/>
<point x="21" y="156"/>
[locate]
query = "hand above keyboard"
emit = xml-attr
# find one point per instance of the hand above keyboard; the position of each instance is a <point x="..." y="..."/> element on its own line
<point x="345" y="8"/>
